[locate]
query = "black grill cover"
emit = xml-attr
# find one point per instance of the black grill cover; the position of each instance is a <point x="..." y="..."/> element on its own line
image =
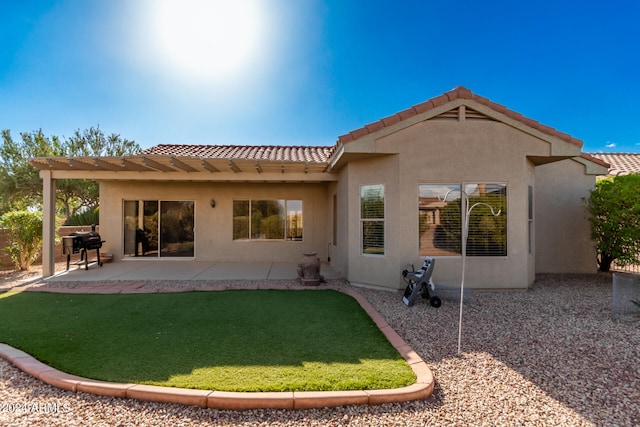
<point x="86" y="240"/>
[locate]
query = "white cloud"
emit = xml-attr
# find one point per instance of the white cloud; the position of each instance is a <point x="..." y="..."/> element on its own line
<point x="610" y="144"/>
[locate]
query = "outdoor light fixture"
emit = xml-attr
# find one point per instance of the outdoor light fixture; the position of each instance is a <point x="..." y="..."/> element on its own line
<point x="213" y="203"/>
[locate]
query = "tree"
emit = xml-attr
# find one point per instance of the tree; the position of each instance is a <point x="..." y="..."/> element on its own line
<point x="20" y="185"/>
<point x="614" y="208"/>
<point x="24" y="230"/>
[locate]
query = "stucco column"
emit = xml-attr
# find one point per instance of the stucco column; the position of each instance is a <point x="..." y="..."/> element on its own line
<point x="48" y="223"/>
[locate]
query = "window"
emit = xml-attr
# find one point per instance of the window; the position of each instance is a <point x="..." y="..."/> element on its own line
<point x="441" y="218"/>
<point x="372" y="219"/>
<point x="267" y="220"/>
<point x="155" y="228"/>
<point x="294" y="220"/>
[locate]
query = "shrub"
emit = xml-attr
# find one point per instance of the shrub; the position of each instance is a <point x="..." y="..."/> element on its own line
<point x="88" y="217"/>
<point x="614" y="208"/>
<point x="24" y="230"/>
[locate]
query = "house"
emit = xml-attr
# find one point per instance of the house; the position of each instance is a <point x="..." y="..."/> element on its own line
<point x="380" y="198"/>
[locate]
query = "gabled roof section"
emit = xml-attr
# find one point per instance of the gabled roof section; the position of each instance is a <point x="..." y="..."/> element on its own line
<point x="619" y="163"/>
<point x="459" y="92"/>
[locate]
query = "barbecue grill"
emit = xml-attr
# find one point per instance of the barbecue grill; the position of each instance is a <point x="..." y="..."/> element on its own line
<point x="81" y="242"/>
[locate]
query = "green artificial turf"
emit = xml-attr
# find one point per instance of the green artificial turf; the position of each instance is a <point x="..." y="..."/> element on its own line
<point x="265" y="340"/>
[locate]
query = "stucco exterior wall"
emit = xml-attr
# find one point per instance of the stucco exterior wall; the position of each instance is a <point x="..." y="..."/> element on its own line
<point x="563" y="243"/>
<point x="338" y="247"/>
<point x="445" y="151"/>
<point x="213" y="226"/>
<point x="377" y="270"/>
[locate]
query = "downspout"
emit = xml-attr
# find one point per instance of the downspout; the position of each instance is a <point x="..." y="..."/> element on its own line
<point x="48" y="223"/>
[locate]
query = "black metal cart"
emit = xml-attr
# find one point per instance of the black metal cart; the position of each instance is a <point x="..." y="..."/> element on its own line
<point x="82" y="242"/>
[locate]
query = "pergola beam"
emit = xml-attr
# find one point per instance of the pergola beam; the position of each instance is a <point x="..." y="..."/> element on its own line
<point x="157" y="166"/>
<point x="182" y="165"/>
<point x="208" y="166"/>
<point x="104" y="165"/>
<point x="129" y="165"/>
<point x="234" y="167"/>
<point x="59" y="163"/>
<point x="75" y="164"/>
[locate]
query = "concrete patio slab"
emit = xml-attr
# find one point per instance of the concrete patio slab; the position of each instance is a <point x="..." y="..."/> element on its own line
<point x="283" y="271"/>
<point x="165" y="270"/>
<point x="236" y="270"/>
<point x="149" y="270"/>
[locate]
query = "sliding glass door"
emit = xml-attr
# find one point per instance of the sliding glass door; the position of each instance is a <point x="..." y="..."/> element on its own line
<point x="155" y="228"/>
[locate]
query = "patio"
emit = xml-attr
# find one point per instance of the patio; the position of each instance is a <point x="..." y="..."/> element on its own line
<point x="185" y="270"/>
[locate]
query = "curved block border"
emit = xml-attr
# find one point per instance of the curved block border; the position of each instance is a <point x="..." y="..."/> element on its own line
<point x="421" y="389"/>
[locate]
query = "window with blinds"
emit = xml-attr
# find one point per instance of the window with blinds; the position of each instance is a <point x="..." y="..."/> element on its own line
<point x="487" y="233"/>
<point x="372" y="219"/>
<point x="441" y="219"/>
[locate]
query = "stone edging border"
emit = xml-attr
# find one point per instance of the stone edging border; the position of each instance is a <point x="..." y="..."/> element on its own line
<point x="421" y="389"/>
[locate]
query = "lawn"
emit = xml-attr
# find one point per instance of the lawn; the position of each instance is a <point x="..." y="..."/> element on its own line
<point x="264" y="340"/>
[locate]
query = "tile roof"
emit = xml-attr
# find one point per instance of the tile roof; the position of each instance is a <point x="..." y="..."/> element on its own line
<point x="459" y="92"/>
<point x="595" y="160"/>
<point x="276" y="153"/>
<point x="620" y="163"/>
<point x="293" y="159"/>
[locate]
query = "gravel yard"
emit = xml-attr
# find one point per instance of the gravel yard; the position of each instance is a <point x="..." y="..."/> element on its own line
<point x="549" y="356"/>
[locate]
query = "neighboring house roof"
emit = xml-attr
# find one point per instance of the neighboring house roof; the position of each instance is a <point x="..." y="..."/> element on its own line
<point x="459" y="92"/>
<point x="620" y="163"/>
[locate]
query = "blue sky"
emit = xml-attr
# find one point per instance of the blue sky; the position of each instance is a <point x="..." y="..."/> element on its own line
<point x="285" y="72"/>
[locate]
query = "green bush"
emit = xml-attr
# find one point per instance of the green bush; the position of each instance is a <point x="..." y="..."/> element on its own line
<point x="24" y="230"/>
<point x="614" y="208"/>
<point x="88" y="217"/>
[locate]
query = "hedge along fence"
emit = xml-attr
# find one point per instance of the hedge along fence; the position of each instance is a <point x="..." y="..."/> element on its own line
<point x="5" y="260"/>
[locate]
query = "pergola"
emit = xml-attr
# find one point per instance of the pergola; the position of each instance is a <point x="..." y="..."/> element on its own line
<point x="232" y="164"/>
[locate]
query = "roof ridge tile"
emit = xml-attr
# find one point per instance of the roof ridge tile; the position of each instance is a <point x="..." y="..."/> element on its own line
<point x="459" y="92"/>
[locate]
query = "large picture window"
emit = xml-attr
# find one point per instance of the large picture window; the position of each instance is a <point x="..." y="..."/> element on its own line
<point x="372" y="219"/>
<point x="155" y="228"/>
<point x="267" y="220"/>
<point x="441" y="218"/>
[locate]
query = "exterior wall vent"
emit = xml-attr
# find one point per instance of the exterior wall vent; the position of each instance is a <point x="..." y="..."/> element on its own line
<point x="475" y="115"/>
<point x="449" y="115"/>
<point x="462" y="113"/>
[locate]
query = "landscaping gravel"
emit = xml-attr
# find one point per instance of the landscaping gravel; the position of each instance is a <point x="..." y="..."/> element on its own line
<point x="549" y="356"/>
